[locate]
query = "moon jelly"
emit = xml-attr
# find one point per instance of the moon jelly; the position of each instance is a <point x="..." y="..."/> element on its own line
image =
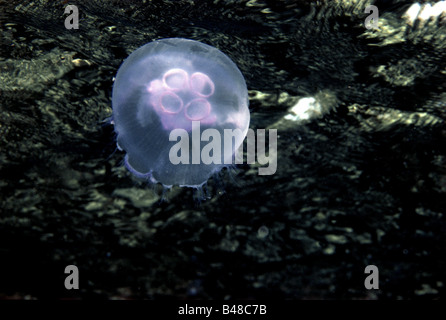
<point x="169" y="89"/>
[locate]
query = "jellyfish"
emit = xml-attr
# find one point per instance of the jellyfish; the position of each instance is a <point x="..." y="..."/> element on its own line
<point x="174" y="99"/>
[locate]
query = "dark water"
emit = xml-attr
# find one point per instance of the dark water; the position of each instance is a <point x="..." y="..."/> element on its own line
<point x="362" y="182"/>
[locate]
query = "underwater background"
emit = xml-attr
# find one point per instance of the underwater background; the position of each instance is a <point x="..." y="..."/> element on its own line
<point x="361" y="178"/>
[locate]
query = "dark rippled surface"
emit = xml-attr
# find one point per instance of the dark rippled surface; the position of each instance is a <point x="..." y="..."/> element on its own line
<point x="361" y="182"/>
